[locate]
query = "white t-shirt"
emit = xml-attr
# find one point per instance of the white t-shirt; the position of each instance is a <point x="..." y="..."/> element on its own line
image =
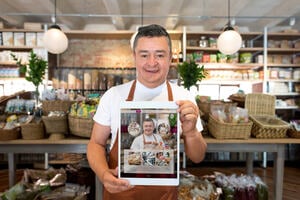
<point x="108" y="111"/>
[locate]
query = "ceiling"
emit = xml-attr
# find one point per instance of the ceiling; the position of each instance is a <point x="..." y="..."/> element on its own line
<point x="199" y="15"/>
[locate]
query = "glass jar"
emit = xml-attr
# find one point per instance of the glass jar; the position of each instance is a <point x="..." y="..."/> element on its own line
<point x="203" y="42"/>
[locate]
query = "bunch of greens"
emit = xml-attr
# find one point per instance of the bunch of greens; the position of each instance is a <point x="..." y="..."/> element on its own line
<point x="190" y="73"/>
<point x="34" y="70"/>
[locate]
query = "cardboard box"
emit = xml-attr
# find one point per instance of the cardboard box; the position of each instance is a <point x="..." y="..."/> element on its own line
<point x="8" y="38"/>
<point x="19" y="39"/>
<point x="30" y="38"/>
<point x="39" y="39"/>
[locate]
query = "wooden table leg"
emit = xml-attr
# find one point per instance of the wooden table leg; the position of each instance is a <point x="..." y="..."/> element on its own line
<point x="249" y="159"/>
<point x="278" y="172"/>
<point x="11" y="169"/>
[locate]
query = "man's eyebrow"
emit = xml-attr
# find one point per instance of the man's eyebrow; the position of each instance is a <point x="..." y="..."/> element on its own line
<point x="156" y="51"/>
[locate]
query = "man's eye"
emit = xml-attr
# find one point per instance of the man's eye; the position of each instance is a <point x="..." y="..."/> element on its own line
<point x="160" y="55"/>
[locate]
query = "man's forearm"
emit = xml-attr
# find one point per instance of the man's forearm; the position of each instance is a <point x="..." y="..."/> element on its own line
<point x="96" y="155"/>
<point x="195" y="146"/>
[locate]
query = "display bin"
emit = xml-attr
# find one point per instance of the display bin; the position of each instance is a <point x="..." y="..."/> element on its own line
<point x="221" y="130"/>
<point x="32" y="131"/>
<point x="205" y="107"/>
<point x="10" y="134"/>
<point x="293" y="133"/>
<point x="56" y="105"/>
<point x="56" y="126"/>
<point x="267" y="126"/>
<point x="80" y="126"/>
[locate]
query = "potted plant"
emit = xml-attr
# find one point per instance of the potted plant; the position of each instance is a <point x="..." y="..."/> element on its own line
<point x="34" y="70"/>
<point x="190" y="73"/>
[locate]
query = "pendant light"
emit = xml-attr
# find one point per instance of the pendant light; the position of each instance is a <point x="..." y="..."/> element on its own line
<point x="230" y="41"/>
<point x="55" y="41"/>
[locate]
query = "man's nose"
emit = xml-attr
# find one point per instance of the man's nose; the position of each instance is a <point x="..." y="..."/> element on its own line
<point x="152" y="60"/>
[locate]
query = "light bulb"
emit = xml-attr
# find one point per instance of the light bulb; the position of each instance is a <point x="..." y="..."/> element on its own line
<point x="55" y="41"/>
<point x="229" y="42"/>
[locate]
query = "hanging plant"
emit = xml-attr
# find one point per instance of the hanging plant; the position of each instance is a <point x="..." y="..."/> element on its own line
<point x="34" y="70"/>
<point x="190" y="73"/>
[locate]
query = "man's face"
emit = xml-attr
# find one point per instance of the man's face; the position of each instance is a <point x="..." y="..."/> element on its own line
<point x="152" y="59"/>
<point x="148" y="128"/>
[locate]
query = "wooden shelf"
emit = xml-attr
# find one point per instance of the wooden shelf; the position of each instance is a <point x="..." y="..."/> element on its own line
<point x="283" y="50"/>
<point x="212" y="49"/>
<point x="283" y="65"/>
<point x="283" y="80"/>
<point x="247" y="36"/>
<point x="118" y="35"/>
<point x="18" y="48"/>
<point x="231" y="66"/>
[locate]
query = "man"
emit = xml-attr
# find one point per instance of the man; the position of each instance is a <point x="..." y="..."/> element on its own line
<point x="148" y="140"/>
<point x="152" y="52"/>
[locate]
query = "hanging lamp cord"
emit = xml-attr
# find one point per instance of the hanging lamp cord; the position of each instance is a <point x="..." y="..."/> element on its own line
<point x="229" y="23"/>
<point x="54" y="11"/>
<point x="142" y="12"/>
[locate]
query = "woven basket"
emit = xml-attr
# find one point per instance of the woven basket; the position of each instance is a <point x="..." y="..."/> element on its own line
<point x="10" y="134"/>
<point x="293" y="133"/>
<point x="80" y="126"/>
<point x="55" y="124"/>
<point x="260" y="104"/>
<point x="267" y="126"/>
<point x="32" y="131"/>
<point x="221" y="130"/>
<point x="57" y="105"/>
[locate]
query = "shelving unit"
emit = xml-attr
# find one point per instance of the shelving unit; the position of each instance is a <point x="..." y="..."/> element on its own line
<point x="19" y="42"/>
<point x="221" y="73"/>
<point x="107" y="52"/>
<point x="280" y="71"/>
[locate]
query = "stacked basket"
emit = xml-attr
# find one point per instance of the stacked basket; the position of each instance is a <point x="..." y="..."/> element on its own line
<point x="32" y="131"/>
<point x="56" y="126"/>
<point x="261" y="109"/>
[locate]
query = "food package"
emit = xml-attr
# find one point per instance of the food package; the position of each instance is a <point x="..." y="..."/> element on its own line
<point x="193" y="187"/>
<point x="243" y="187"/>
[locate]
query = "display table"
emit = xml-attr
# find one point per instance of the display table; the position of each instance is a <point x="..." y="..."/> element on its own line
<point x="75" y="145"/>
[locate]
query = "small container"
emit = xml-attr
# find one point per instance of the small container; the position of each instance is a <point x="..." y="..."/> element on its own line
<point x="203" y="42"/>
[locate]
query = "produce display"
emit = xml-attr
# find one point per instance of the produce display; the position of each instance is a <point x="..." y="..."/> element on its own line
<point x="193" y="187"/>
<point x="243" y="187"/>
<point x="84" y="109"/>
<point x="49" y="184"/>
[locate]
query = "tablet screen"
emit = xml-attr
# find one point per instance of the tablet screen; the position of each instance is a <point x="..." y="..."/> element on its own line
<point x="149" y="143"/>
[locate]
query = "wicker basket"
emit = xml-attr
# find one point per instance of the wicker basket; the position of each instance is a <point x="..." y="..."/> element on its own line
<point x="55" y="124"/>
<point x="80" y="126"/>
<point x="32" y="131"/>
<point x="10" y="134"/>
<point x="260" y="104"/>
<point x="221" y="130"/>
<point x="293" y="133"/>
<point x="267" y="126"/>
<point x="57" y="105"/>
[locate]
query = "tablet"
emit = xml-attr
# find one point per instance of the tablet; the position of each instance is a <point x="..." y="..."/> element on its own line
<point x="149" y="149"/>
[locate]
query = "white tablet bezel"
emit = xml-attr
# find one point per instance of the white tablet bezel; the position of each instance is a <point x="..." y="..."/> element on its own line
<point x="154" y="178"/>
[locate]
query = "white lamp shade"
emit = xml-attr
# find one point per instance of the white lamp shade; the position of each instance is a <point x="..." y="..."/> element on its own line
<point x="229" y="42"/>
<point x="55" y="41"/>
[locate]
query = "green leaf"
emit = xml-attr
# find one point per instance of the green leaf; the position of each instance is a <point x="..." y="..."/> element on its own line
<point x="190" y="73"/>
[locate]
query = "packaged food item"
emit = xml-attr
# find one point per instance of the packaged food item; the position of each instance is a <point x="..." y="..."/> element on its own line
<point x="245" y="57"/>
